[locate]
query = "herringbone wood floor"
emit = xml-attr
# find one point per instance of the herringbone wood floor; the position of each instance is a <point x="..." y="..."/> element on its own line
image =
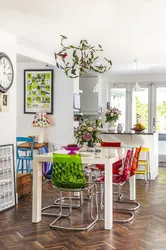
<point x="146" y="231"/>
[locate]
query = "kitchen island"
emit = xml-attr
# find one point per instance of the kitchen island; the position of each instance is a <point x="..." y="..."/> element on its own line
<point x="148" y="140"/>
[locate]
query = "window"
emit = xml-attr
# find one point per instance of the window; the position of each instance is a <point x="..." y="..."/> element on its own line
<point x="161" y="109"/>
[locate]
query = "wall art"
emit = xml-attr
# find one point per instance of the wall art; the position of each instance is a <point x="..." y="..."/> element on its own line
<point x="38" y="91"/>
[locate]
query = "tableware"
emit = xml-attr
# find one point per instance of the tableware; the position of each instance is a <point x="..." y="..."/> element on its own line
<point x="72" y="149"/>
<point x="98" y="150"/>
<point x="86" y="154"/>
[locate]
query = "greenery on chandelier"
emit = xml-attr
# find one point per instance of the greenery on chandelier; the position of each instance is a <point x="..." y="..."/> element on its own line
<point x="78" y="60"/>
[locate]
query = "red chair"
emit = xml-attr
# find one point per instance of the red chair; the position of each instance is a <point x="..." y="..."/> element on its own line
<point x="135" y="161"/>
<point x="120" y="180"/>
<point x="111" y="144"/>
<point x="134" y="167"/>
<point x="117" y="165"/>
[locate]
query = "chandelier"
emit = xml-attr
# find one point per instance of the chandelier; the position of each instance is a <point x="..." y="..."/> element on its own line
<point x="81" y="59"/>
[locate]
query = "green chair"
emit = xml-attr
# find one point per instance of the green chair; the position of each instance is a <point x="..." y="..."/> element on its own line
<point x="68" y="176"/>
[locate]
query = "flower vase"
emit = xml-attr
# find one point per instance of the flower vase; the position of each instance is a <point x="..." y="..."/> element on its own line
<point x="90" y="148"/>
<point x="112" y="126"/>
<point x="90" y="144"/>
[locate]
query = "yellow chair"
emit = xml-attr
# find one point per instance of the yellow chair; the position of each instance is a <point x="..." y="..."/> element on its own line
<point x="144" y="165"/>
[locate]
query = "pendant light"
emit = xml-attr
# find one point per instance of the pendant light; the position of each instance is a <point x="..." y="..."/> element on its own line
<point x="136" y="87"/>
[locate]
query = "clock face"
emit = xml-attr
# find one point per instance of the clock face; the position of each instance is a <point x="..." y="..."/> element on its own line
<point x="6" y="73"/>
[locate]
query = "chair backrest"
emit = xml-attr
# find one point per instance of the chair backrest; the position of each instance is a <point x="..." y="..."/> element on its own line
<point x="56" y="147"/>
<point x="46" y="166"/>
<point x="111" y="144"/>
<point x="68" y="171"/>
<point x="30" y="142"/>
<point x="108" y="144"/>
<point x="127" y="166"/>
<point x="134" y="165"/>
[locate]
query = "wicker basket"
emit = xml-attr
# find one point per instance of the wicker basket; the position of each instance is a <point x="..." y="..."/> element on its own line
<point x="24" y="184"/>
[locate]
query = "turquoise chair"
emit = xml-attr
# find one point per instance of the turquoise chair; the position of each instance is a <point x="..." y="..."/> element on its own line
<point x="24" y="156"/>
<point x="68" y="176"/>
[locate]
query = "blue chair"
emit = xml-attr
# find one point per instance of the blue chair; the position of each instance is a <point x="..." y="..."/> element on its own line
<point x="46" y="166"/>
<point x="24" y="155"/>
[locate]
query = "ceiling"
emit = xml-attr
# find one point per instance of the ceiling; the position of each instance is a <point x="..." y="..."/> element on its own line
<point x="24" y="59"/>
<point x="126" y="29"/>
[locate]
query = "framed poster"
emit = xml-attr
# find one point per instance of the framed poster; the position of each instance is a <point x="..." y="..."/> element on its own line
<point x="38" y="91"/>
<point x="7" y="177"/>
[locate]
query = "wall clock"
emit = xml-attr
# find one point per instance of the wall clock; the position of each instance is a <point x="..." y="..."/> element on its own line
<point x="6" y="73"/>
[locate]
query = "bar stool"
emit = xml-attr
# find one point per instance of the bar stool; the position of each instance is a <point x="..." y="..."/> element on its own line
<point x="144" y="165"/>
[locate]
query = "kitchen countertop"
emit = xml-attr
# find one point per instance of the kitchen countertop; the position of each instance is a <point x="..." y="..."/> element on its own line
<point x="125" y="133"/>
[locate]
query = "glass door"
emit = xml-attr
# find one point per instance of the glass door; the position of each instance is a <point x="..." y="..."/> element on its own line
<point x="140" y="107"/>
<point x="160" y="121"/>
<point x="147" y="106"/>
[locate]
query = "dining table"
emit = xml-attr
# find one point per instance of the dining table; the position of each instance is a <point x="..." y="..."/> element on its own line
<point x="107" y="157"/>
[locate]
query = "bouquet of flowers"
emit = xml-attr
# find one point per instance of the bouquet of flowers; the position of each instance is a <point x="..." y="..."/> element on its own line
<point x="112" y="114"/>
<point x="88" y="132"/>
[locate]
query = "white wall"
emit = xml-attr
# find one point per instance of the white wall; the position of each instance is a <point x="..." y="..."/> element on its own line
<point x="155" y="78"/>
<point x="24" y="121"/>
<point x="8" y="119"/>
<point x="61" y="131"/>
<point x="29" y="52"/>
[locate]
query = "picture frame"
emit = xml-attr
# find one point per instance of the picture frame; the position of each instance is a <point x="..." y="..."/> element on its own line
<point x="38" y="91"/>
<point x="7" y="177"/>
<point x="4" y="102"/>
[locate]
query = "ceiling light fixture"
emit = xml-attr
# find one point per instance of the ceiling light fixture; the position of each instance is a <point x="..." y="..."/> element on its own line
<point x="80" y="59"/>
<point x="136" y="87"/>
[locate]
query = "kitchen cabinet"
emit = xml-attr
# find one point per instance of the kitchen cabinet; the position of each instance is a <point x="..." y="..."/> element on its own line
<point x="90" y="98"/>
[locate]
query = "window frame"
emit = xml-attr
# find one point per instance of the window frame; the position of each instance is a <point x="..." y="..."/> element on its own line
<point x="151" y="101"/>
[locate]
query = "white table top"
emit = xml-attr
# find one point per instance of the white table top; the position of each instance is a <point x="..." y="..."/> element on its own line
<point x="107" y="153"/>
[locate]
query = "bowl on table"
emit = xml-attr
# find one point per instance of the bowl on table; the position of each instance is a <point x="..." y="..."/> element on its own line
<point x="72" y="149"/>
<point x="138" y="130"/>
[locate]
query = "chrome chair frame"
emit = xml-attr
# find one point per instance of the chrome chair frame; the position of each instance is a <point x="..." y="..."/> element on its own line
<point x="120" y="210"/>
<point x="126" y="202"/>
<point x="93" y="188"/>
<point x="79" y="198"/>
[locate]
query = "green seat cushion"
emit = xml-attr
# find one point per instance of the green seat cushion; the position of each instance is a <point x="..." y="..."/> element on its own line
<point x="68" y="171"/>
